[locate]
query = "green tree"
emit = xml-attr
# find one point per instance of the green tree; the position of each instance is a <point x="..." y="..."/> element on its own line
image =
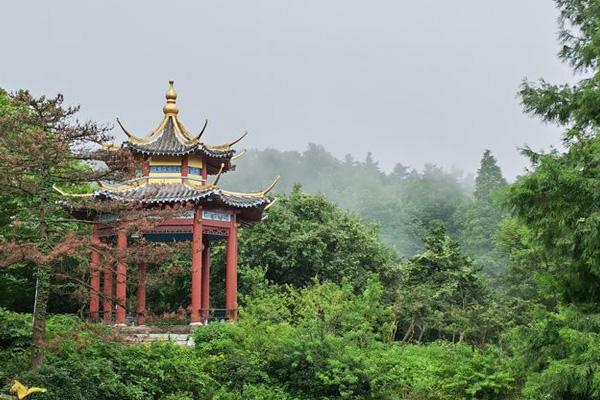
<point x="481" y="217"/>
<point x="529" y="274"/>
<point x="559" y="353"/>
<point x="489" y="178"/>
<point x="441" y="295"/>
<point x="557" y="206"/>
<point x="43" y="145"/>
<point x="307" y="236"/>
<point x="558" y="201"/>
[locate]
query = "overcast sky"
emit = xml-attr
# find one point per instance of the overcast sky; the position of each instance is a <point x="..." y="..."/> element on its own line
<point x="411" y="81"/>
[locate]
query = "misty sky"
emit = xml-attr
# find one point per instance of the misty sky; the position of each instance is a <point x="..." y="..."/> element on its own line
<point x="411" y="81"/>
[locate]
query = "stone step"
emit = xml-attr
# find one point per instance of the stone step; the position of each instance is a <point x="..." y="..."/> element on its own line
<point x="180" y="335"/>
<point x="140" y="338"/>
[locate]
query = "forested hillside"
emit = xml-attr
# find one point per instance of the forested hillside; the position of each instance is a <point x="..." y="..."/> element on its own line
<point x="406" y="203"/>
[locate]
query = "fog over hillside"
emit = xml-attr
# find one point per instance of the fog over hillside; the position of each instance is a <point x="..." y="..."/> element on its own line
<point x="405" y="202"/>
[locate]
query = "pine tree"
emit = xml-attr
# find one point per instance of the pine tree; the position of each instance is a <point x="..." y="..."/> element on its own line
<point x="441" y="294"/>
<point x="43" y="147"/>
<point x="482" y="217"/>
<point x="489" y="177"/>
<point x="559" y="205"/>
<point x="559" y="201"/>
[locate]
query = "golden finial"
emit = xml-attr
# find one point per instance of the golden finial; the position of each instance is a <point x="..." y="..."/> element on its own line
<point x="267" y="190"/>
<point x="171" y="106"/>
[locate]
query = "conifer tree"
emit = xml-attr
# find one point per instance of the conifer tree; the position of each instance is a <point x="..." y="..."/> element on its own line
<point x="559" y="205"/>
<point x="559" y="200"/>
<point x="489" y="177"/>
<point x="43" y="147"/>
<point x="440" y="293"/>
<point x="482" y="217"/>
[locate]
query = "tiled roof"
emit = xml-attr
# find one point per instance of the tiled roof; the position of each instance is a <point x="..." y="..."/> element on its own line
<point x="167" y="142"/>
<point x="165" y="193"/>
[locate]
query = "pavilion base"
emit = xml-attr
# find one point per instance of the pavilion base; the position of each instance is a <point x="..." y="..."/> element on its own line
<point x="174" y="329"/>
<point x="177" y="334"/>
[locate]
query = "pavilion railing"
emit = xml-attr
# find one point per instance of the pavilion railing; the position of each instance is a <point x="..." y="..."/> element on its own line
<point x="210" y="315"/>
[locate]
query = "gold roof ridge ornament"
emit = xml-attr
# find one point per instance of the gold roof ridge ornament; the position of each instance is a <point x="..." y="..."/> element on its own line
<point x="256" y="194"/>
<point x="171" y="111"/>
<point x="197" y="138"/>
<point x="227" y="146"/>
<point x="219" y="175"/>
<point x="109" y="146"/>
<point x="267" y="190"/>
<point x="238" y="140"/>
<point x="171" y="107"/>
<point x="129" y="135"/>
<point x="241" y="153"/>
<point x="271" y="204"/>
<point x="127" y="185"/>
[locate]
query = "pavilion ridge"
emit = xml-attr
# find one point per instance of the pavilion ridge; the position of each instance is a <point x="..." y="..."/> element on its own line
<point x="172" y="167"/>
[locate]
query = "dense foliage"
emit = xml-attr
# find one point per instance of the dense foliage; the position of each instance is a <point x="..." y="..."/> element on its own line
<point x="557" y="205"/>
<point x="488" y="290"/>
<point x="440" y="295"/>
<point x="308" y="236"/>
<point x="322" y="341"/>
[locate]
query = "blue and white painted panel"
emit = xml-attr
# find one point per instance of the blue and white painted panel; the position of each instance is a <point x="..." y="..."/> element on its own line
<point x="194" y="171"/>
<point x="165" y="169"/>
<point x="216" y="216"/>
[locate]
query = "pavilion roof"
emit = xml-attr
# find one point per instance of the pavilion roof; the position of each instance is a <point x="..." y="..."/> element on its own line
<point x="163" y="193"/>
<point x="250" y="206"/>
<point x="170" y="137"/>
<point x="142" y="192"/>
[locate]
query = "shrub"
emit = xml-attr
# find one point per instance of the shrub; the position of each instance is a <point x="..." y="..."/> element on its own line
<point x="15" y="329"/>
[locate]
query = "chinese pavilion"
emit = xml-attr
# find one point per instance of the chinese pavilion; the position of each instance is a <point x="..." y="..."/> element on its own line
<point x="173" y="166"/>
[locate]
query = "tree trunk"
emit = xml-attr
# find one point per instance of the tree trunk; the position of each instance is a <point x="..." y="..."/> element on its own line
<point x="40" y="306"/>
<point x="423" y="328"/>
<point x="39" y="314"/>
<point x="393" y="330"/>
<point x="409" y="332"/>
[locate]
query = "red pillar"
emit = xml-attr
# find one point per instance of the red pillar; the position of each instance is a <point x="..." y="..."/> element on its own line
<point x="231" y="272"/>
<point x="141" y="295"/>
<point x="205" y="280"/>
<point x="108" y="293"/>
<point x="95" y="277"/>
<point x="121" y="276"/>
<point x="196" y="267"/>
